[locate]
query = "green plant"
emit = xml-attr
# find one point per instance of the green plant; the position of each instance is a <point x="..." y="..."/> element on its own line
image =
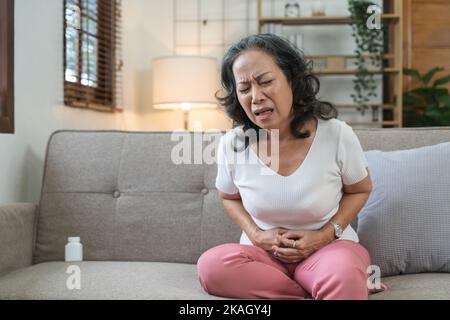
<point x="369" y="43"/>
<point x="429" y="103"/>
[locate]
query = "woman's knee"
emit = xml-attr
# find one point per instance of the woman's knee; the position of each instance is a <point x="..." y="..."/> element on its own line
<point x="213" y="264"/>
<point x="341" y="273"/>
<point x="213" y="257"/>
<point x="344" y="282"/>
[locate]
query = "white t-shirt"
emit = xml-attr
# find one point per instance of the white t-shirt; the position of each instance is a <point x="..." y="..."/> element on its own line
<point x="309" y="197"/>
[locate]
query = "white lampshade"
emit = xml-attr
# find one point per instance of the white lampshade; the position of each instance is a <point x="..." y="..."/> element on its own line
<point x="185" y="82"/>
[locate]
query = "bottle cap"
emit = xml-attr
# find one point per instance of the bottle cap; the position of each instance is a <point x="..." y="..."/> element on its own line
<point x="74" y="239"/>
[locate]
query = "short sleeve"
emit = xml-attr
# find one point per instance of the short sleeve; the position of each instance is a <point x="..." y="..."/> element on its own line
<point x="224" y="178"/>
<point x="351" y="158"/>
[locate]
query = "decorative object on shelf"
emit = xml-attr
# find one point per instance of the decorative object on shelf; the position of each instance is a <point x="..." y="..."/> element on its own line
<point x="375" y="114"/>
<point x="334" y="64"/>
<point x="292" y="9"/>
<point x="368" y="42"/>
<point x="318" y="8"/>
<point x="428" y="104"/>
<point x="274" y="28"/>
<point x="185" y="82"/>
<point x="296" y="40"/>
<point x="319" y="64"/>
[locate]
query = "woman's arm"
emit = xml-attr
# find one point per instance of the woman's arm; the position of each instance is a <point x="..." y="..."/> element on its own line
<point x="353" y="200"/>
<point x="235" y="209"/>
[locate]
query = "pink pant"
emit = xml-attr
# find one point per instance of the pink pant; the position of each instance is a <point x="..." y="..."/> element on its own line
<point x="336" y="271"/>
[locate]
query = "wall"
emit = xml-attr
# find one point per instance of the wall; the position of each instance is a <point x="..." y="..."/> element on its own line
<point x="39" y="108"/>
<point x="148" y="33"/>
<point x="38" y="100"/>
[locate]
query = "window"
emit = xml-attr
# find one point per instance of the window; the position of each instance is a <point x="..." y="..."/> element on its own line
<point x="92" y="55"/>
<point x="6" y="66"/>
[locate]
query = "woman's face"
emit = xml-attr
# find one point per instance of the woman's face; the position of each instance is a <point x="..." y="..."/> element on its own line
<point x="261" y="85"/>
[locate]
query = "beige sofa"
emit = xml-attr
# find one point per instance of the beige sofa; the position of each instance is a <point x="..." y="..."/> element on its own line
<point x="143" y="220"/>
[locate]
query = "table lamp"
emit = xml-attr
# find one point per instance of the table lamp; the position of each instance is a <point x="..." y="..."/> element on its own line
<point x="185" y="82"/>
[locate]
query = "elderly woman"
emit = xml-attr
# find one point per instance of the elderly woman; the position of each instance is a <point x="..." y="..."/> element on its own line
<point x="297" y="240"/>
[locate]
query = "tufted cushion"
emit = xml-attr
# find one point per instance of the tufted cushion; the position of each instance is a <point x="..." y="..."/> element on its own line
<point x="121" y="193"/>
<point x="405" y="224"/>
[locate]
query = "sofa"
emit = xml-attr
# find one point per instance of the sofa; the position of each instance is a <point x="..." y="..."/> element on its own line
<point x="144" y="220"/>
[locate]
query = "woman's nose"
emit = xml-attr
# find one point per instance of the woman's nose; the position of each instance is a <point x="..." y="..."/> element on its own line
<point x="257" y="95"/>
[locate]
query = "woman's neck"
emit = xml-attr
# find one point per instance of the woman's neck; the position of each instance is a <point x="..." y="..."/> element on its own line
<point x="285" y="135"/>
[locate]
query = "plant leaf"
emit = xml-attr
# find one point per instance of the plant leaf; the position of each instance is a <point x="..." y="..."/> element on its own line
<point x="444" y="99"/>
<point x="441" y="81"/>
<point x="412" y="119"/>
<point x="413" y="73"/>
<point x="427" y="77"/>
<point x="430" y="91"/>
<point x="411" y="100"/>
<point x="433" y="114"/>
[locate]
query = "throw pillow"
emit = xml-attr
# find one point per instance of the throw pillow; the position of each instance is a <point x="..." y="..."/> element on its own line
<point x="405" y="224"/>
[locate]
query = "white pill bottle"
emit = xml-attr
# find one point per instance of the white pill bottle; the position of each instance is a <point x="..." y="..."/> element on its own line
<point x="74" y="250"/>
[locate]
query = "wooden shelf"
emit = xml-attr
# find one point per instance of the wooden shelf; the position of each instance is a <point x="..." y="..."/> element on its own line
<point x="377" y="106"/>
<point x="386" y="56"/>
<point x="373" y="123"/>
<point x="338" y="72"/>
<point x="324" y="20"/>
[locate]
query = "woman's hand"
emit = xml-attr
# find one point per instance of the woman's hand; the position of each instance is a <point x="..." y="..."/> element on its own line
<point x="295" y="246"/>
<point x="266" y="239"/>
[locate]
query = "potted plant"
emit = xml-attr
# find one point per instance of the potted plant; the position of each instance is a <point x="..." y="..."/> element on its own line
<point x="369" y="43"/>
<point x="429" y="103"/>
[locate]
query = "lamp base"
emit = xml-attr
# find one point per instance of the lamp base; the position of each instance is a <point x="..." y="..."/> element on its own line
<point x="186" y="119"/>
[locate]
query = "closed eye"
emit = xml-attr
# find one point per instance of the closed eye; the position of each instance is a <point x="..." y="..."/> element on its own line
<point x="266" y="82"/>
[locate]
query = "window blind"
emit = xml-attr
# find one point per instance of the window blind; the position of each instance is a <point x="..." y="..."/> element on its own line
<point x="6" y="66"/>
<point x="92" y="54"/>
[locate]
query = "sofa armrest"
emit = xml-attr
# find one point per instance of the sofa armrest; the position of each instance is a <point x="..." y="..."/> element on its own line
<point x="17" y="226"/>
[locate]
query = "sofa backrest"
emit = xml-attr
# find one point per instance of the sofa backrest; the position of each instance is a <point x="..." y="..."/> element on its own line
<point x="121" y="193"/>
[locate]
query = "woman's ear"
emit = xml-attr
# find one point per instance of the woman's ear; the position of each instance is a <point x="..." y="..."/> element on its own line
<point x="290" y="85"/>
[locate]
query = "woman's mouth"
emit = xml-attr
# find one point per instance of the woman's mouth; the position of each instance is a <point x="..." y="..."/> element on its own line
<point x="263" y="113"/>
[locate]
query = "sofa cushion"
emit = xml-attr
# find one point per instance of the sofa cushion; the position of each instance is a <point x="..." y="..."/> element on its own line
<point x="150" y="280"/>
<point x="405" y="224"/>
<point x="421" y="286"/>
<point x="122" y="194"/>
<point x="105" y="280"/>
